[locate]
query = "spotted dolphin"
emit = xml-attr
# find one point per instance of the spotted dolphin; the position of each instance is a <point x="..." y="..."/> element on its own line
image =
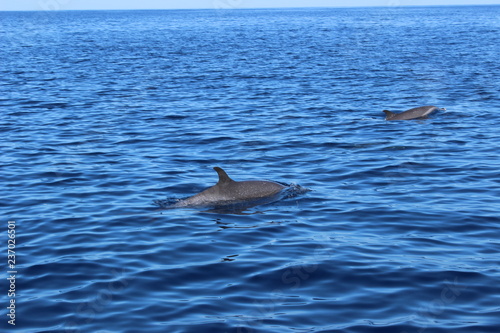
<point x="228" y="191"/>
<point x="414" y="113"/>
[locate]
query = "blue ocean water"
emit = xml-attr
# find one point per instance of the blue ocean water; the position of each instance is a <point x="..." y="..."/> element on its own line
<point x="104" y="113"/>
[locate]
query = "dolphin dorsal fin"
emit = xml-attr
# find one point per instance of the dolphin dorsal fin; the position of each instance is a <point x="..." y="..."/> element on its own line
<point x="388" y="114"/>
<point x="223" y="177"/>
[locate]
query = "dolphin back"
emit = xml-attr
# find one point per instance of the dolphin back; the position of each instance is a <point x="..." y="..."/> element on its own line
<point x="251" y="190"/>
<point x="228" y="191"/>
<point x="418" y="112"/>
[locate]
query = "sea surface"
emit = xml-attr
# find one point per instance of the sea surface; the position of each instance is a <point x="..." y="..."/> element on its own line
<point x="107" y="115"/>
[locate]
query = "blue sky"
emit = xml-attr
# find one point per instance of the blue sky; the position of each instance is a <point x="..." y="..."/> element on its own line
<point x="178" y="4"/>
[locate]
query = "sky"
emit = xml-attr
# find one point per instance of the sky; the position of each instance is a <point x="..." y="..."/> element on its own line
<point x="218" y="4"/>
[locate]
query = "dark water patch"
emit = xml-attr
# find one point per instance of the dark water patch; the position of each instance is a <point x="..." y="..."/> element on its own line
<point x="176" y="117"/>
<point x="50" y="106"/>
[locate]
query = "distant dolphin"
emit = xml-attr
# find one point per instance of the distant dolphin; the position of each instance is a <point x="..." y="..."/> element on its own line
<point x="228" y="191"/>
<point x="414" y="113"/>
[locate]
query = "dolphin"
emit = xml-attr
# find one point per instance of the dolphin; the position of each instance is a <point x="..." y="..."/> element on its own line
<point x="228" y="191"/>
<point x="414" y="113"/>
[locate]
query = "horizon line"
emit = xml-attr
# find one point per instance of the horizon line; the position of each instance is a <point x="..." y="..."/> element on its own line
<point x="242" y="8"/>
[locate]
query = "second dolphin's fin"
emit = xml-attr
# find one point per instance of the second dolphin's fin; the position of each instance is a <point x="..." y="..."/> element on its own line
<point x="388" y="114"/>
